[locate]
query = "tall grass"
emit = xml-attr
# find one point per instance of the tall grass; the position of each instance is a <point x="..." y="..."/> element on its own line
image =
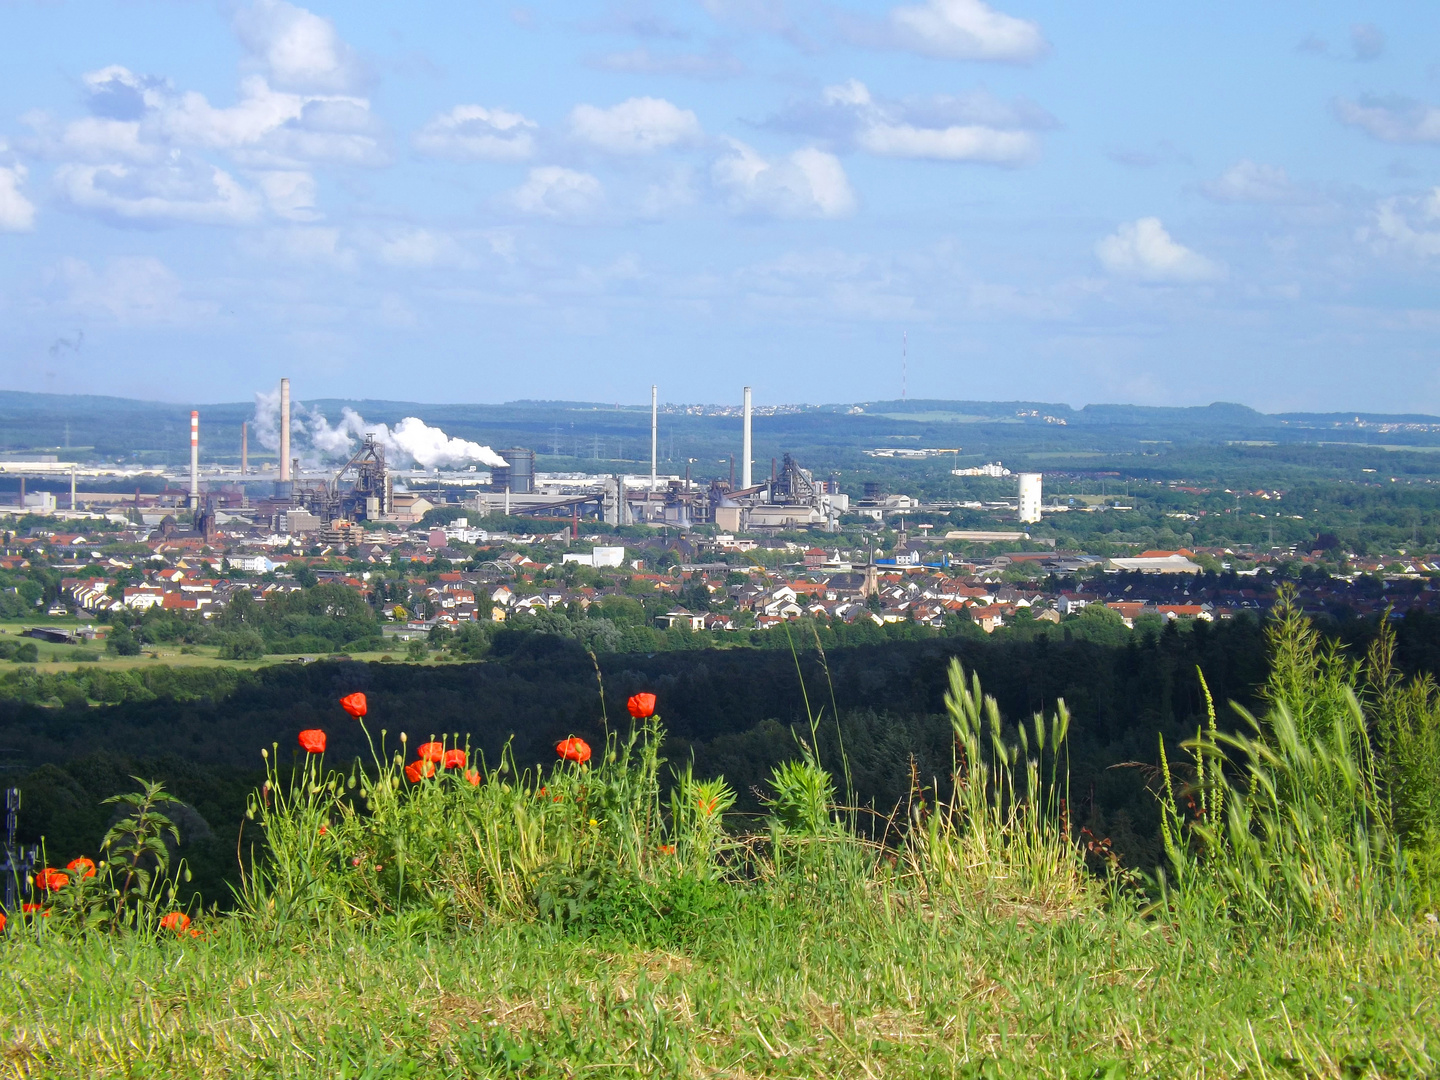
<point x="1003" y="834"/>
<point x="1317" y="814"/>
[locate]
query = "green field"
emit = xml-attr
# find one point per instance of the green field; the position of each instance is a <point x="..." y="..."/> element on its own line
<point x="796" y="981"/>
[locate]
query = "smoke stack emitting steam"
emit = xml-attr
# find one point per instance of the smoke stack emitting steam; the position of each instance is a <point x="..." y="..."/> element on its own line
<point x="284" y="429"/>
<point x="745" y="445"/>
<point x="320" y="443"/>
<point x="194" y="459"/>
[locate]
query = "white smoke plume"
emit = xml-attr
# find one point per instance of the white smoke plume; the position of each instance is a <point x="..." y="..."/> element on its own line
<point x="265" y="425"/>
<point x="410" y="441"/>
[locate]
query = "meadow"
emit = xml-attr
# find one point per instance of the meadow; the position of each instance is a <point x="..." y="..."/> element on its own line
<point x="428" y="912"/>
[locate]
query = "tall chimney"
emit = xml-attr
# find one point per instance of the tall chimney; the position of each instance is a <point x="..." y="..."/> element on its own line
<point x="745" y="445"/>
<point x="194" y="459"/>
<point x="654" y="433"/>
<point x="284" y="429"/>
<point x="244" y="447"/>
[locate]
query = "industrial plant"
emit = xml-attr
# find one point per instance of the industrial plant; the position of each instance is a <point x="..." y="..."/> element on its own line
<point x="300" y="494"/>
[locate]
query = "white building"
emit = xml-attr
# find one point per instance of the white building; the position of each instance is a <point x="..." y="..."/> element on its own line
<point x="599" y="556"/>
<point x="1029" y="497"/>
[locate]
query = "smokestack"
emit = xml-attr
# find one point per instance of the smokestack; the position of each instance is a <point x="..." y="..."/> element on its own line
<point x="284" y="429"/>
<point x="654" y="433"/>
<point x="244" y="447"/>
<point x="745" y="445"/>
<point x="194" y="459"/>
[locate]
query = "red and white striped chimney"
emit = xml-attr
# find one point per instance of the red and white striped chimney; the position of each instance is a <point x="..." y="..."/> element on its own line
<point x="194" y="459"/>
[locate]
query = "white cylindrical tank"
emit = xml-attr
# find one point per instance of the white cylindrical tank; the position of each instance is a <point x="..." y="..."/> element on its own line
<point x="1029" y="497"/>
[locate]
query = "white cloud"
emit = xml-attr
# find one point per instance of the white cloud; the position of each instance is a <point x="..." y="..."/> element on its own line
<point x="17" y="213"/>
<point x="552" y="191"/>
<point x="964" y="30"/>
<point x="475" y="133"/>
<point x="131" y="290"/>
<point x="1249" y="181"/>
<point x="189" y="192"/>
<point x="1409" y="225"/>
<point x="805" y="183"/>
<point x="421" y="249"/>
<point x="290" y="195"/>
<point x="271" y="127"/>
<point x="298" y="48"/>
<point x="265" y="128"/>
<point x="972" y="127"/>
<point x="1145" y="251"/>
<point x="639" y="125"/>
<point x="305" y="246"/>
<point x="969" y="143"/>
<point x="1392" y="119"/>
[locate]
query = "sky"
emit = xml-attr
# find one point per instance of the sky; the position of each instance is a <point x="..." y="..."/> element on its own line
<point x="441" y="201"/>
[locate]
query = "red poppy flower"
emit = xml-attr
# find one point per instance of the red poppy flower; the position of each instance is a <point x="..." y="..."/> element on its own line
<point x="473" y="775"/>
<point x="312" y="741"/>
<point x="573" y="749"/>
<point x="82" y="866"/>
<point x="419" y="770"/>
<point x="431" y="751"/>
<point x="641" y="706"/>
<point x="176" y="920"/>
<point x="454" y="759"/>
<point x="34" y="909"/>
<point x="354" y="704"/>
<point x="52" y="879"/>
<point x="2" y="922"/>
<point x="667" y="849"/>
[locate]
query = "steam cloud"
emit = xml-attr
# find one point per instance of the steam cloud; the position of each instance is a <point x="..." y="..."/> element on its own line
<point x="411" y="440"/>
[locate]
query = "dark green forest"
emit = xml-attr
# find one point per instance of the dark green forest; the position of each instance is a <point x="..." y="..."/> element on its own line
<point x="735" y="712"/>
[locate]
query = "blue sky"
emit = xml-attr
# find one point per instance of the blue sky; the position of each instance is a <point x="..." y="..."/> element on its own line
<point x="442" y="201"/>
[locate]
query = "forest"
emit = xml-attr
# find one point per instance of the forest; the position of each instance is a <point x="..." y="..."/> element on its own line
<point x="75" y="738"/>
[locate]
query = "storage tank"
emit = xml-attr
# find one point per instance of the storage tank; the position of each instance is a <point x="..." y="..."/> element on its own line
<point x="1029" y="497"/>
<point x="519" y="475"/>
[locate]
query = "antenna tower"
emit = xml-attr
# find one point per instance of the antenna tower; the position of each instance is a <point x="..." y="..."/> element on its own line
<point x="904" y="364"/>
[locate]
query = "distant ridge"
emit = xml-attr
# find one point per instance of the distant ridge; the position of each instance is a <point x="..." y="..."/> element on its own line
<point x="21" y="401"/>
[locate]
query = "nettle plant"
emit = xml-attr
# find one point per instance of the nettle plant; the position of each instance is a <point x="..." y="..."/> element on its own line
<point x="132" y="889"/>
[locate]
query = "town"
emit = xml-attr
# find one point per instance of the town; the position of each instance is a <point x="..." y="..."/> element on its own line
<point x="623" y="562"/>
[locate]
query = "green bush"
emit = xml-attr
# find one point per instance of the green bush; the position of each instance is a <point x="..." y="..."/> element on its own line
<point x="246" y="645"/>
<point x="122" y="642"/>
